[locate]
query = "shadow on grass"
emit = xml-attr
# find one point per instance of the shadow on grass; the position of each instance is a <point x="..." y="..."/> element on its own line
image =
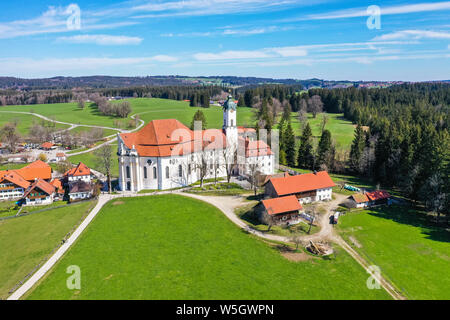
<point x="413" y="217"/>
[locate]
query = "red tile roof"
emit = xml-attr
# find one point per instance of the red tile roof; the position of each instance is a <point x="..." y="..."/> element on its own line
<point x="13" y="177"/>
<point x="36" y="170"/>
<point x="378" y="195"/>
<point x="80" y="170"/>
<point x="58" y="185"/>
<point x="47" y="145"/>
<point x="281" y="205"/>
<point x="60" y="155"/>
<point x="256" y="149"/>
<point x="302" y="183"/>
<point x="360" y="198"/>
<point x="41" y="185"/>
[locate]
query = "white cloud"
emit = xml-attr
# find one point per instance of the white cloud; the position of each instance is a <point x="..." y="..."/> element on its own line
<point x="361" y="12"/>
<point x="208" y="7"/>
<point x="414" y="34"/>
<point x="228" y="55"/>
<point x="102" y="39"/>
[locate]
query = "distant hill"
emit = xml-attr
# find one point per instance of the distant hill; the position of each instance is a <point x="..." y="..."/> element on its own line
<point x="121" y="82"/>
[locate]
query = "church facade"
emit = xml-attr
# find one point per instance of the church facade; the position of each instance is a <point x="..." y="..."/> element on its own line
<point x="166" y="154"/>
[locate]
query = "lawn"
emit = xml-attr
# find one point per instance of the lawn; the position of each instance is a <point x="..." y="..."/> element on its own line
<point x="92" y="161"/>
<point x="408" y="247"/>
<point x="24" y="121"/>
<point x="173" y="247"/>
<point x="106" y="132"/>
<point x="342" y="130"/>
<point x="25" y="241"/>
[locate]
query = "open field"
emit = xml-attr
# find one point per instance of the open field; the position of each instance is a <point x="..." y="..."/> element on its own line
<point x="408" y="247"/>
<point x="342" y="130"/>
<point x="181" y="248"/>
<point x="24" y="121"/>
<point x="106" y="132"/>
<point x="25" y="241"/>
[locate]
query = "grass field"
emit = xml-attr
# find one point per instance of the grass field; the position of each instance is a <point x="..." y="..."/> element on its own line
<point x="24" y="121"/>
<point x="25" y="241"/>
<point x="106" y="132"/>
<point x="342" y="131"/>
<point x="406" y="245"/>
<point x="181" y="248"/>
<point x="91" y="160"/>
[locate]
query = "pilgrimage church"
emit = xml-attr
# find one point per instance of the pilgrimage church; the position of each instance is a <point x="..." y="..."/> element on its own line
<point x="166" y="154"/>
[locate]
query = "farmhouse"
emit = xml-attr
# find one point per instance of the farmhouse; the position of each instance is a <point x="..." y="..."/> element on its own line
<point x="282" y="210"/>
<point x="12" y="185"/>
<point x="166" y="154"/>
<point x="47" y="146"/>
<point x="59" y="189"/>
<point x="39" y="193"/>
<point x="80" y="190"/>
<point x="309" y="187"/>
<point x="60" y="156"/>
<point x="80" y="172"/>
<point x="36" y="170"/>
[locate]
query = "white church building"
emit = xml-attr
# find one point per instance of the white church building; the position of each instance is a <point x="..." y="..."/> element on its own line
<point x="166" y="154"/>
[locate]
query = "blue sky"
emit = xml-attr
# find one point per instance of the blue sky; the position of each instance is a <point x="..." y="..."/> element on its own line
<point x="267" y="38"/>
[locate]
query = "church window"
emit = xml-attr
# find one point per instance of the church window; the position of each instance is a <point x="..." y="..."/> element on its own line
<point x="128" y="172"/>
<point x="180" y="171"/>
<point x="145" y="172"/>
<point x="167" y="172"/>
<point x="155" y="176"/>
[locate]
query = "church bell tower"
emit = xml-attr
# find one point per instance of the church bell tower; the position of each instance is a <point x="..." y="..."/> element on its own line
<point x="229" y="121"/>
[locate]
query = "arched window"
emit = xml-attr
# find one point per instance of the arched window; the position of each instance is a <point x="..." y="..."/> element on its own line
<point x="128" y="172"/>
<point x="232" y="122"/>
<point x="145" y="172"/>
<point x="180" y="171"/>
<point x="155" y="176"/>
<point x="167" y="172"/>
<point x="189" y="169"/>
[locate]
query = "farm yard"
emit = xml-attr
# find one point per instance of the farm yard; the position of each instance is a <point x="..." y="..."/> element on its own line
<point x="181" y="248"/>
<point x="409" y="248"/>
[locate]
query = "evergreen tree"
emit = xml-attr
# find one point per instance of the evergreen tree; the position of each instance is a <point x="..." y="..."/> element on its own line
<point x="324" y="149"/>
<point x="290" y="145"/>
<point x="241" y="101"/>
<point x="199" y="116"/>
<point x="357" y="148"/>
<point x="305" y="157"/>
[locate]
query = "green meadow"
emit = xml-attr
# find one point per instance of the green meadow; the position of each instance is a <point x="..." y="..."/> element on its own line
<point x="173" y="247"/>
<point x="24" y="121"/>
<point x="406" y="244"/>
<point x="25" y="241"/>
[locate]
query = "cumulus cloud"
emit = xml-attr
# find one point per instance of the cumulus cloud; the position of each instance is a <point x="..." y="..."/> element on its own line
<point x="414" y="34"/>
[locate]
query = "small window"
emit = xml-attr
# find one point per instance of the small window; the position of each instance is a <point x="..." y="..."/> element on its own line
<point x="189" y="169"/>
<point x="145" y="172"/>
<point x="167" y="172"/>
<point x="180" y="171"/>
<point x="155" y="176"/>
<point x="232" y="122"/>
<point x="128" y="172"/>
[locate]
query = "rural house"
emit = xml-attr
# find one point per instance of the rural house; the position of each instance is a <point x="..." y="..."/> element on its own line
<point x="80" y="173"/>
<point x="12" y="185"/>
<point x="80" y="190"/>
<point x="359" y="200"/>
<point x="38" y="193"/>
<point x="308" y="187"/>
<point x="282" y="210"/>
<point x="367" y="199"/>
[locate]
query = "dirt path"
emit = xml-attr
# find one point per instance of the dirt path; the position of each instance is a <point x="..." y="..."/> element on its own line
<point x="228" y="205"/>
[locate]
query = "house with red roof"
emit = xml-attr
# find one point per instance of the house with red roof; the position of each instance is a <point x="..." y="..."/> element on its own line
<point x="59" y="189"/>
<point x="47" y="146"/>
<point x="378" y="197"/>
<point x="61" y="156"/>
<point x="79" y="173"/>
<point x="282" y="210"/>
<point x="359" y="200"/>
<point x="166" y="154"/>
<point x="38" y="193"/>
<point x="308" y="187"/>
<point x="12" y="185"/>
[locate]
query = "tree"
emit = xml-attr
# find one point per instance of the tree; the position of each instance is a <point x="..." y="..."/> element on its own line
<point x="315" y="105"/>
<point x="199" y="116"/>
<point x="268" y="220"/>
<point x="254" y="172"/>
<point x="357" y="148"/>
<point x="324" y="150"/>
<point x="43" y="157"/>
<point x="9" y="136"/>
<point x="104" y="159"/>
<point x="290" y="145"/>
<point x="201" y="165"/>
<point x="229" y="155"/>
<point x="305" y="158"/>
<point x="63" y="166"/>
<point x="323" y="122"/>
<point x="312" y="214"/>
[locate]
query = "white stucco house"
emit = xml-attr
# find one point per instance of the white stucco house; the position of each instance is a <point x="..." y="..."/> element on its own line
<point x="166" y="154"/>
